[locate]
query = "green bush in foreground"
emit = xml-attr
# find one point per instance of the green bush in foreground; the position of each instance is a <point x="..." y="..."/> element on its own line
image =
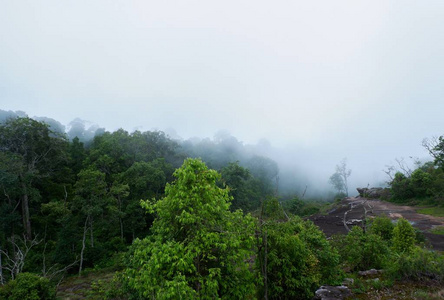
<point x="294" y="257"/>
<point x="404" y="236"/>
<point x="418" y="264"/>
<point x="28" y="286"/>
<point x="383" y="227"/>
<point x="362" y="251"/>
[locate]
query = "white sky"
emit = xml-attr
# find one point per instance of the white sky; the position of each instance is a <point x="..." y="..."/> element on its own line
<point x="333" y="79"/>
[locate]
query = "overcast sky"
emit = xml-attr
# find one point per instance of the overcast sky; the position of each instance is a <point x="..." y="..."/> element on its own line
<point x="326" y="79"/>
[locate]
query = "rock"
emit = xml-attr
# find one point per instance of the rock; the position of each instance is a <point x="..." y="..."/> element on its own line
<point x="348" y="281"/>
<point x="369" y="272"/>
<point x="353" y="222"/>
<point x="374" y="193"/>
<point x="328" y="292"/>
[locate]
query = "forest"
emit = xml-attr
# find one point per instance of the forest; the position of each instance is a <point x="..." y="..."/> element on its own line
<point x="173" y="219"/>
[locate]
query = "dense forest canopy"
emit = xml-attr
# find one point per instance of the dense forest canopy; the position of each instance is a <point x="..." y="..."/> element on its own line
<point x="78" y="198"/>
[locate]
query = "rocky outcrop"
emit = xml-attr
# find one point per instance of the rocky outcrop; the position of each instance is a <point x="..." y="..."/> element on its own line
<point x="327" y="292"/>
<point x="374" y="193"/>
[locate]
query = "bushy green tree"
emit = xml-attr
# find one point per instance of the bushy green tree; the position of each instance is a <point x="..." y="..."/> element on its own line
<point x="383" y="227"/>
<point x="421" y="183"/>
<point x="244" y="188"/>
<point x="294" y="257"/>
<point x="36" y="153"/>
<point x="401" y="188"/>
<point x="198" y="248"/>
<point x="362" y="251"/>
<point x="404" y="236"/>
<point x="28" y="286"/>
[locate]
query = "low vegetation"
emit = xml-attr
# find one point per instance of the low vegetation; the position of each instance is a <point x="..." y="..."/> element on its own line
<point x="433" y="211"/>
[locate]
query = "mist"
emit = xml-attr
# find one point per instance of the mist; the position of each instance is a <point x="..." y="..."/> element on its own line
<point x="304" y="83"/>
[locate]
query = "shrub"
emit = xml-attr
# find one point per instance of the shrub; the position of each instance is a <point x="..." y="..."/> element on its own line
<point x="404" y="236"/>
<point x="299" y="259"/>
<point x="383" y="227"/>
<point x="419" y="264"/>
<point x="28" y="286"/>
<point x="362" y="251"/>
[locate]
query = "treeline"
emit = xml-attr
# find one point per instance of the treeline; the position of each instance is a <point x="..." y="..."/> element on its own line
<point x="67" y="204"/>
<point x="423" y="184"/>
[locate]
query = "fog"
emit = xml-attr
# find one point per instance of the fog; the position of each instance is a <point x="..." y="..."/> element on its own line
<point x="310" y="82"/>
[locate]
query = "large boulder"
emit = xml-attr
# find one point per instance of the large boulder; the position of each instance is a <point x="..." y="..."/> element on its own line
<point x="374" y="193"/>
<point x="327" y="292"/>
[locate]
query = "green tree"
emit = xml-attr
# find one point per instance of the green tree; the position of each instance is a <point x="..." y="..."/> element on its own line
<point x="421" y="183"/>
<point x="244" y="188"/>
<point x="198" y="249"/>
<point x="401" y="188"/>
<point x="89" y="202"/>
<point x="37" y="152"/>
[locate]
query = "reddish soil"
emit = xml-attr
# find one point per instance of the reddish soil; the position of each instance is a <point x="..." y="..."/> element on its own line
<point x="353" y="211"/>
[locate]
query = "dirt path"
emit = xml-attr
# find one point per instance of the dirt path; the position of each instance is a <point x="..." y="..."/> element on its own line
<point x="351" y="211"/>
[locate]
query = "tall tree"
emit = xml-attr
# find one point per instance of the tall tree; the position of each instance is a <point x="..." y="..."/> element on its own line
<point x="90" y="201"/>
<point x="41" y="153"/>
<point x="199" y="249"/>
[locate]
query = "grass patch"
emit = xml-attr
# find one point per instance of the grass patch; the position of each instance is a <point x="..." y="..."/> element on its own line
<point x="433" y="211"/>
<point x="75" y="287"/>
<point x="438" y="230"/>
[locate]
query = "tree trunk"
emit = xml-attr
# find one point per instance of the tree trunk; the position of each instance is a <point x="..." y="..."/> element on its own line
<point x="121" y="228"/>
<point x="120" y="218"/>
<point x="92" y="232"/>
<point x="265" y="266"/>
<point x="2" y="282"/>
<point x="25" y="212"/>
<point x="83" y="245"/>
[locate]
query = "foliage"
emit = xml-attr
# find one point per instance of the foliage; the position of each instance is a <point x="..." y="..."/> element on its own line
<point x="438" y="230"/>
<point x="244" y="188"/>
<point x="433" y="211"/>
<point x="404" y="236"/>
<point x="383" y="227"/>
<point x="198" y="248"/>
<point x="362" y="251"/>
<point x="302" y="208"/>
<point x="425" y="183"/>
<point x="81" y="196"/>
<point x="28" y="286"/>
<point x="294" y="257"/>
<point x="32" y="153"/>
<point x="418" y="264"/>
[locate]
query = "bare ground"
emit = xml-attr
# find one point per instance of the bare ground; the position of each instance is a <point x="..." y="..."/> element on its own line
<point x="352" y="211"/>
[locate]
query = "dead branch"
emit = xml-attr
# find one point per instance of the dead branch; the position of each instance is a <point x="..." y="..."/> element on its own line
<point x="21" y="246"/>
<point x="430" y="145"/>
